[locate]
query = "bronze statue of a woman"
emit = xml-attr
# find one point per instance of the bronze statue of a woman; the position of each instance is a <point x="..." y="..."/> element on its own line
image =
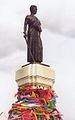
<point x="32" y="36"/>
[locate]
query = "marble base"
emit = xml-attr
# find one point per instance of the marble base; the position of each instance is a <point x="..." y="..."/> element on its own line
<point x="38" y="75"/>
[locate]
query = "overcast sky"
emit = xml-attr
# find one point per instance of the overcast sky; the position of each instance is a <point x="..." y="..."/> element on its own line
<point x="58" y="36"/>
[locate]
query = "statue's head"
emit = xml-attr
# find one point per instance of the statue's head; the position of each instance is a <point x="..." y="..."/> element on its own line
<point x="33" y="9"/>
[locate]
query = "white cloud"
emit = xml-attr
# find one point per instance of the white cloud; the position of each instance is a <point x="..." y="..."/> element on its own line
<point x="57" y="16"/>
<point x="58" y="22"/>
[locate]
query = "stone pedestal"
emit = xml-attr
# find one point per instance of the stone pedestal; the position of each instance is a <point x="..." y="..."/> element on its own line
<point x="38" y="75"/>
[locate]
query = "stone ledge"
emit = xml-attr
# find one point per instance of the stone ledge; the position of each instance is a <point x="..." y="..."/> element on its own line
<point x="35" y="81"/>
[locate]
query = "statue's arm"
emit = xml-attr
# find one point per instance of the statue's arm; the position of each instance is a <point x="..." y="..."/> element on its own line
<point x="40" y="29"/>
<point x="25" y="26"/>
<point x="39" y="26"/>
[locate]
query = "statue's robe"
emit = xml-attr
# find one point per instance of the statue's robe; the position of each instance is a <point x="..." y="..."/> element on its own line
<point x="34" y="41"/>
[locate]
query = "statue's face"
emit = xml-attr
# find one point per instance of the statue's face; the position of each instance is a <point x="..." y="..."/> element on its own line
<point x="33" y="9"/>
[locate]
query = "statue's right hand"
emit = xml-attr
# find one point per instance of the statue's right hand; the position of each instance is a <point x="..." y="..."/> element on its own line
<point x="24" y="35"/>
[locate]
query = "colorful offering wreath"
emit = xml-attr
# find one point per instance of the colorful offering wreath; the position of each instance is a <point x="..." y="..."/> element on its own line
<point x="34" y="104"/>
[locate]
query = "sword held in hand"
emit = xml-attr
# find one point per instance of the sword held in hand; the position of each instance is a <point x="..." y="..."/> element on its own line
<point x="26" y="39"/>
